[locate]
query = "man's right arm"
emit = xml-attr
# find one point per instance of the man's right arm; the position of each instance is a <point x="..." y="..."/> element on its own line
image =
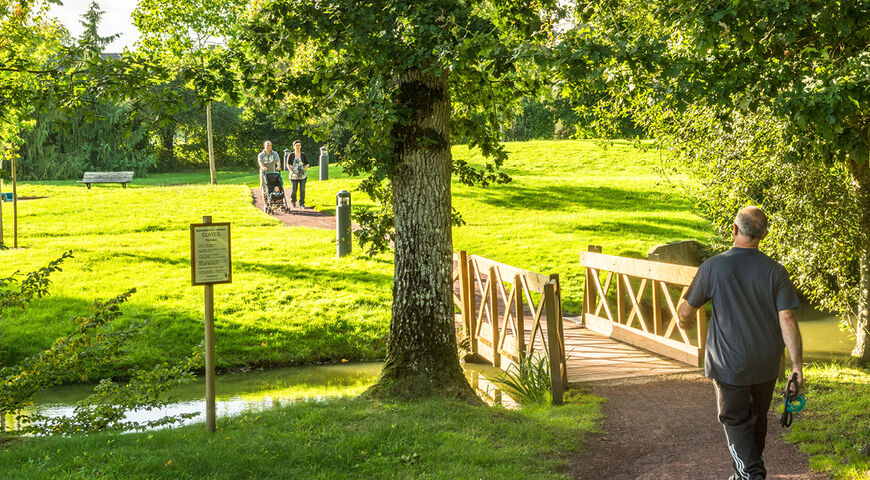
<point x="791" y="335"/>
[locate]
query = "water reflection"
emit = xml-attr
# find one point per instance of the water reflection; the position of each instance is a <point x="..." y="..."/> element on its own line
<point x="480" y="377"/>
<point x="236" y="392"/>
<point x="256" y="390"/>
<point x="823" y="340"/>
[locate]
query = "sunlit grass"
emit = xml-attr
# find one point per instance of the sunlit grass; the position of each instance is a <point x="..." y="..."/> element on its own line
<point x="354" y="438"/>
<point x="291" y="300"/>
<point x="835" y="425"/>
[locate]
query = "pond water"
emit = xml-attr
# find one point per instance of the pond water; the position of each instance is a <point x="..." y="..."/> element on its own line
<point x="256" y="390"/>
<point x="822" y="337"/>
<point x="261" y="389"/>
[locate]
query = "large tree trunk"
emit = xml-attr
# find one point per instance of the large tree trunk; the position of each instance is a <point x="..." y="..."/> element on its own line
<point x="422" y="355"/>
<point x="861" y="182"/>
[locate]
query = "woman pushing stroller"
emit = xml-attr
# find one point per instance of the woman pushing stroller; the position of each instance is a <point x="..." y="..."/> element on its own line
<point x="297" y="164"/>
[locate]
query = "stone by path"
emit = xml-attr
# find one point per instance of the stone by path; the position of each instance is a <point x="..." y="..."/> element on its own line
<point x="666" y="429"/>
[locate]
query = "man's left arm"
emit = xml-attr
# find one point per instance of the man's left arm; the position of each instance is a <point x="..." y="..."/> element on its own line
<point x="791" y="335"/>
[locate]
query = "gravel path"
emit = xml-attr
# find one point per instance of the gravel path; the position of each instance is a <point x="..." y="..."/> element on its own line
<point x="666" y="429"/>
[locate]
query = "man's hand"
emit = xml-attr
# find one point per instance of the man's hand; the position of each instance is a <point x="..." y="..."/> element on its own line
<point x="800" y="379"/>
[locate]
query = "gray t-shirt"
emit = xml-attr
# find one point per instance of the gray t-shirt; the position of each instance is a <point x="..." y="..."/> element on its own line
<point x="748" y="290"/>
<point x="269" y="160"/>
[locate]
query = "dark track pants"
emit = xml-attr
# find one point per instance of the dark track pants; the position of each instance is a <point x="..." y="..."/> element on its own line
<point x="743" y="413"/>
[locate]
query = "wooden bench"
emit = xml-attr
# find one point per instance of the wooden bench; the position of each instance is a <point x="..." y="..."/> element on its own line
<point x="106" y="177"/>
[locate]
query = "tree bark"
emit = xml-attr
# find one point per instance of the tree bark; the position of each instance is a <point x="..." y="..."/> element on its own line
<point x="861" y="183"/>
<point x="167" y="141"/>
<point x="422" y="355"/>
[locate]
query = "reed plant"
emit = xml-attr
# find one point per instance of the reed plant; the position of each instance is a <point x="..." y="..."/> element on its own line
<point x="527" y="382"/>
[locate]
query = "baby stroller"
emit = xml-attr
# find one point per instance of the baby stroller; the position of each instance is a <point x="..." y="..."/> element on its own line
<point x="273" y="194"/>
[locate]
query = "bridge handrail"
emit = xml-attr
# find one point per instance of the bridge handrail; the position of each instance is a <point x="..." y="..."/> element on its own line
<point x="663" y="272"/>
<point x="653" y="332"/>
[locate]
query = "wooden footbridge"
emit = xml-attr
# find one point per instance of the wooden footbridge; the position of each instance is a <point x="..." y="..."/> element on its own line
<point x="627" y="328"/>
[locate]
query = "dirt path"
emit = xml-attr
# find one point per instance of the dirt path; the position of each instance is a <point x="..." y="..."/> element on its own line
<point x="298" y="217"/>
<point x="666" y="429"/>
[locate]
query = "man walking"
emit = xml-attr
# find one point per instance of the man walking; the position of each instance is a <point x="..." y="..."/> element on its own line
<point x="753" y="318"/>
<point x="269" y="161"/>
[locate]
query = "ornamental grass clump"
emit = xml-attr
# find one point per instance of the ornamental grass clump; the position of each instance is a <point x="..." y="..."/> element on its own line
<point x="528" y="382"/>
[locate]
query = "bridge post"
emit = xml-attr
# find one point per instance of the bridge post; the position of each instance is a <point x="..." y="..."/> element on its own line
<point x="520" y="334"/>
<point x="463" y="290"/>
<point x="472" y="318"/>
<point x="493" y="310"/>
<point x="702" y="334"/>
<point x="657" y="326"/>
<point x="556" y="386"/>
<point x="588" y="290"/>
<point x="560" y="322"/>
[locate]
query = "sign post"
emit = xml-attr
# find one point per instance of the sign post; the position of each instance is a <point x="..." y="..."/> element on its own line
<point x="14" y="206"/>
<point x="210" y="263"/>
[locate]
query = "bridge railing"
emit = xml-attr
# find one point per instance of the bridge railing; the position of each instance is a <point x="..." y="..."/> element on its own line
<point x="616" y="307"/>
<point x="505" y="325"/>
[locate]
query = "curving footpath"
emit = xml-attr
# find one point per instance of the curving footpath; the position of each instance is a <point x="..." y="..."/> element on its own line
<point x="666" y="429"/>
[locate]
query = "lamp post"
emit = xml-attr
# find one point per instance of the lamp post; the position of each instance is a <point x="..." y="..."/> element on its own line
<point x="324" y="163"/>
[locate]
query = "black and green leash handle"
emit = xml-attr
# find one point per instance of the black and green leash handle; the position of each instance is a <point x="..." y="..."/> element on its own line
<point x="793" y="402"/>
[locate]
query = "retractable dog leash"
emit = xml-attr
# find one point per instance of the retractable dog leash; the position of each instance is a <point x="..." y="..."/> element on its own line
<point x="793" y="402"/>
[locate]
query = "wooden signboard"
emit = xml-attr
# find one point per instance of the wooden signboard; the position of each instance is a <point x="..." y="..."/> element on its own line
<point x="210" y="254"/>
<point x="210" y="263"/>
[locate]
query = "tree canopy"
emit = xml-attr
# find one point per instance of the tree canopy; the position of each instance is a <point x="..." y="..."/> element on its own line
<point x="792" y="77"/>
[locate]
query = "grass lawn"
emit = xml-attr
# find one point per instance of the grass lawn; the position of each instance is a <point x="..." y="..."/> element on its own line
<point x="291" y="300"/>
<point x="342" y="438"/>
<point x="835" y="425"/>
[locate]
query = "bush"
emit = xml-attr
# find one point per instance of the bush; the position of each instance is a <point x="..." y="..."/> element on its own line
<point x="77" y="356"/>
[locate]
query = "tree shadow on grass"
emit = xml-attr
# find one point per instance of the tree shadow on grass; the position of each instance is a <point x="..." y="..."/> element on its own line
<point x="562" y="198"/>
<point x="672" y="228"/>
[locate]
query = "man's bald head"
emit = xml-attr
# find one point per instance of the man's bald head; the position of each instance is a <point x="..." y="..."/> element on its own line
<point x="751" y="222"/>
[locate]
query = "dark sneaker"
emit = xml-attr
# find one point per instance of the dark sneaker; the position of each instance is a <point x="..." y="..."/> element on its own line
<point x="301" y="205"/>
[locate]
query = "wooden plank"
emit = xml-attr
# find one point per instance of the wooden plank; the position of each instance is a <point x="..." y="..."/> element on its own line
<point x="107" y="177"/>
<point x="519" y="320"/>
<point x="462" y="276"/>
<point x="620" y="299"/>
<point x="603" y="293"/>
<point x="663" y="346"/>
<point x="472" y="320"/>
<point x="493" y="316"/>
<point x="561" y="324"/>
<point x="536" y="281"/>
<point x="702" y="330"/>
<point x="665" y="272"/>
<point x="634" y="302"/>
